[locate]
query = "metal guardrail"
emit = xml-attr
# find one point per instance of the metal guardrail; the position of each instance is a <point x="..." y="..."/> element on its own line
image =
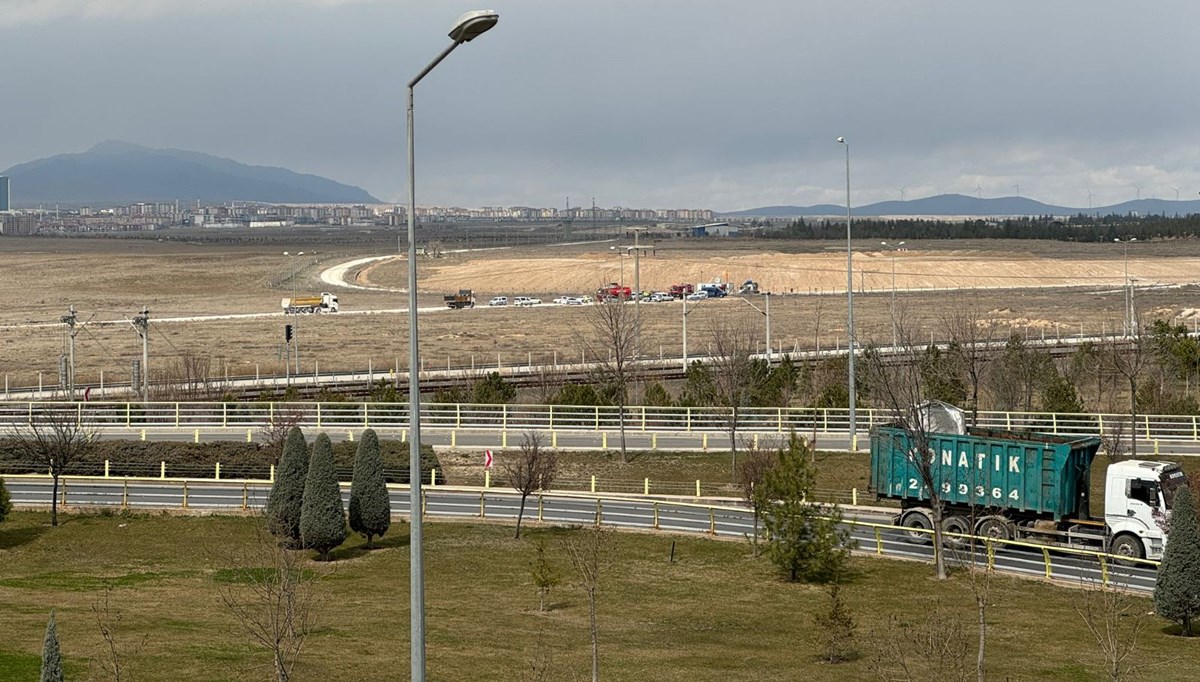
<point x="195" y="496"/>
<point x="517" y="418"/>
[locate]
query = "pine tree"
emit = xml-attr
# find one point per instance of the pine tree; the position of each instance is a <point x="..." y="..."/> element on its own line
<point x="1177" y="590"/>
<point x="287" y="493"/>
<point x="322" y="517"/>
<point x="52" y="664"/>
<point x="5" y="501"/>
<point x="803" y="540"/>
<point x="370" y="506"/>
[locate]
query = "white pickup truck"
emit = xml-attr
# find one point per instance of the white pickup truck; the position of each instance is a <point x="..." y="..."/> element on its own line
<point x="526" y="301"/>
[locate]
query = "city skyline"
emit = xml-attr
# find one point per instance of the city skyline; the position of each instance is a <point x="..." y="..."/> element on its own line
<point x="651" y="104"/>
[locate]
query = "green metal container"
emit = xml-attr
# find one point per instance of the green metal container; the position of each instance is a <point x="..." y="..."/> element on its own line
<point x="1024" y="473"/>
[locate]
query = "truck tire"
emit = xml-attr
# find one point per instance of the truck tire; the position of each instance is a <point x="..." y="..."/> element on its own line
<point x="1127" y="545"/>
<point x="917" y="518"/>
<point x="958" y="525"/>
<point x="995" y="527"/>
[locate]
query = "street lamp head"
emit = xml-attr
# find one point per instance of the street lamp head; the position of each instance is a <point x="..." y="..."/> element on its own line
<point x="842" y="140"/>
<point x="470" y="25"/>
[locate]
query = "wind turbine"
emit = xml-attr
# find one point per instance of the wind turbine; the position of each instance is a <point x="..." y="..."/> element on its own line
<point x="1176" y="193"/>
<point x="901" y="190"/>
<point x="1090" y="195"/>
<point x="1018" y="188"/>
<point x="1139" y="191"/>
<point x="978" y="192"/>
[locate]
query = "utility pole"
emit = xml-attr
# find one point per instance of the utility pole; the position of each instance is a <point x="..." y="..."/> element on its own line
<point x="142" y="324"/>
<point x="69" y="319"/>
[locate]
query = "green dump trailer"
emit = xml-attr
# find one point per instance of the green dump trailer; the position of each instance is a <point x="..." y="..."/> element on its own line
<point x="1021" y="484"/>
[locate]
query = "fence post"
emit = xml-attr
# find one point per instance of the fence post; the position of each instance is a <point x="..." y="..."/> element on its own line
<point x="245" y="495"/>
<point x="878" y="542"/>
<point x="106" y="468"/>
<point x="128" y="409"/>
<point x="604" y="440"/>
<point x="366" y="419"/>
<point x="504" y="417"/>
<point x="457" y="415"/>
<point x="433" y="478"/>
<point x="854" y="497"/>
<point x="654" y="441"/>
<point x="176" y="415"/>
<point x="272" y="479"/>
<point x="704" y="442"/>
<point x="1046" y="559"/>
<point x="593" y="483"/>
<point x="689" y="419"/>
<point x="162" y="469"/>
<point x="554" y="439"/>
<point x="217" y="474"/>
<point x="646" y="486"/>
<point x="318" y="415"/>
<point x="552" y="417"/>
<point x="185" y="495"/>
<point x="697" y="487"/>
<point x="224" y="415"/>
<point x="487" y="478"/>
<point x="643" y="417"/>
<point x="196" y="436"/>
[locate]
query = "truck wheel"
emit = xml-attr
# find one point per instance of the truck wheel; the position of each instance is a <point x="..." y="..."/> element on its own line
<point x="917" y="519"/>
<point x="1127" y="545"/>
<point x="958" y="525"/>
<point x="995" y="527"/>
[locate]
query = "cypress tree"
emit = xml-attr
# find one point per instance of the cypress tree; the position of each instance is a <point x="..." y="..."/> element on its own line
<point x="5" y="501"/>
<point x="370" y="507"/>
<point x="287" y="493"/>
<point x="1177" y="589"/>
<point x="322" y="517"/>
<point x="52" y="665"/>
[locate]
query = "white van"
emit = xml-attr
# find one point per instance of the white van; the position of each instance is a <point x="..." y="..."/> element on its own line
<point x="499" y="300"/>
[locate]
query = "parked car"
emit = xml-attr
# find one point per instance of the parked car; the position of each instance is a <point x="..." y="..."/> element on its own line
<point x="697" y="296"/>
<point x="661" y="297"/>
<point x="498" y="300"/>
<point x="574" y="300"/>
<point x="563" y="300"/>
<point x="524" y="301"/>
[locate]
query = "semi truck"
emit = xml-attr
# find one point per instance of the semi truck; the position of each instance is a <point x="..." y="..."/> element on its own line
<point x="680" y="290"/>
<point x="1011" y="484"/>
<point x="465" y="298"/>
<point x="613" y="291"/>
<point x="325" y="302"/>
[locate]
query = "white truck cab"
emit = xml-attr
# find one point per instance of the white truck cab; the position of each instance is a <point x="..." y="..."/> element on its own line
<point x="1137" y="503"/>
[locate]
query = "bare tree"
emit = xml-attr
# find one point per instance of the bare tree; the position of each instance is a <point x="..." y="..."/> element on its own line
<point x="114" y="653"/>
<point x="188" y="376"/>
<point x="897" y="385"/>
<point x="611" y="337"/>
<point x="731" y="347"/>
<point x="56" y="436"/>
<point x="589" y="551"/>
<point x="934" y="648"/>
<point x="1129" y="359"/>
<point x="532" y="468"/>
<point x="971" y="337"/>
<point x="751" y="472"/>
<point x="1116" y="622"/>
<point x="275" y="430"/>
<point x="272" y="596"/>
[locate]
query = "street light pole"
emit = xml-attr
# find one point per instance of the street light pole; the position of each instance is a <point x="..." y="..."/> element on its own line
<point x="467" y="28"/>
<point x="1130" y="321"/>
<point x="850" y="303"/>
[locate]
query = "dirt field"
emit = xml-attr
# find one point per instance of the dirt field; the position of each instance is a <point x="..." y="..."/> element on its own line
<point x="1032" y="288"/>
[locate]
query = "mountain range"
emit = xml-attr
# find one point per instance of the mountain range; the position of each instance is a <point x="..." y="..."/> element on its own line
<point x="112" y="173"/>
<point x="963" y="205"/>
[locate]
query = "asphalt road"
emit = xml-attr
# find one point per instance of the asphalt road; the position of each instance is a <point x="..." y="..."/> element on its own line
<point x="870" y="534"/>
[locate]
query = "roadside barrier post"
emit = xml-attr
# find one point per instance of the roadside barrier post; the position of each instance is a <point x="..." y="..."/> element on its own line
<point x="487" y="478"/>
<point x="217" y="473"/>
<point x="878" y="542"/>
<point x="604" y="441"/>
<point x="593" y="483"/>
<point x="349" y="435"/>
<point x="432" y="478"/>
<point x="704" y="442"/>
<point x="272" y="479"/>
<point x="504" y="438"/>
<point x="539" y="506"/>
<point x="697" y="487"/>
<point x="106" y="468"/>
<point x="196" y="436"/>
<point x="646" y="487"/>
<point x="245" y="495"/>
<point x="249" y="436"/>
<point x="656" y="516"/>
<point x="185" y="495"/>
<point x="554" y="439"/>
<point x="125" y="494"/>
<point x="1046" y="559"/>
<point x="654" y="441"/>
<point x="454" y="439"/>
<point x="162" y="469"/>
<point x="481" y="506"/>
<point x="854" y="497"/>
<point x="143" y="434"/>
<point x="712" y="521"/>
<point x="599" y="512"/>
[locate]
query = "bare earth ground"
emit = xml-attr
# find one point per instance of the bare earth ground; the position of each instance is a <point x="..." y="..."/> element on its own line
<point x="1032" y="288"/>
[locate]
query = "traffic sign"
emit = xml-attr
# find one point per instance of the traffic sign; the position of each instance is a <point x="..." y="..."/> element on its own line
<point x="487" y="459"/>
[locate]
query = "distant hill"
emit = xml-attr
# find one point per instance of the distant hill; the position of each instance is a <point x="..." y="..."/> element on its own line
<point x="119" y="173"/>
<point x="962" y="205"/>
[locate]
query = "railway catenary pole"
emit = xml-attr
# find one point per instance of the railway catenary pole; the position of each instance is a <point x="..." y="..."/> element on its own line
<point x="69" y="319"/>
<point x="141" y="323"/>
<point x="850" y="305"/>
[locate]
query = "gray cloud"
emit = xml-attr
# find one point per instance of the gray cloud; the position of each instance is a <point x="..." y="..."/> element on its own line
<point x="636" y="102"/>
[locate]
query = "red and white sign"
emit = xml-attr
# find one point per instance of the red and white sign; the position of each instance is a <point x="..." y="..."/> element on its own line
<point x="487" y="459"/>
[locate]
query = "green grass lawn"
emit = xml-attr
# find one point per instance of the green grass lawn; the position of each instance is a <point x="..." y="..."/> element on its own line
<point x="716" y="613"/>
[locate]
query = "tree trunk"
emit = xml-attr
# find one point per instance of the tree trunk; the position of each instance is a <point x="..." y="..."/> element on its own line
<point x="621" y="422"/>
<point x="1133" y="417"/>
<point x="733" y="424"/>
<point x="369" y="536"/>
<point x="281" y="674"/>
<point x="756" y="515"/>
<point x="54" y="499"/>
<point x="981" y="607"/>
<point x="939" y="554"/>
<point x="520" y="514"/>
<point x="595" y="634"/>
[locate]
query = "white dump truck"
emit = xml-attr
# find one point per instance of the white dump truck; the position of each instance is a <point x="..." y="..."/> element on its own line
<point x="325" y="302"/>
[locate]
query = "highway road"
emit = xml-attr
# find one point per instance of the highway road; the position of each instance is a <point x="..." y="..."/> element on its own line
<point x="868" y="527"/>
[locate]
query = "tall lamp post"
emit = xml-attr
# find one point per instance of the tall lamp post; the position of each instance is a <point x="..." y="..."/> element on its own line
<point x="1130" y="317"/>
<point x="850" y="302"/>
<point x="894" y="248"/>
<point x="468" y="27"/>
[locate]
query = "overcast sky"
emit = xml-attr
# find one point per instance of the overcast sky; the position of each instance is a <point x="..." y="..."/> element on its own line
<point x="716" y="104"/>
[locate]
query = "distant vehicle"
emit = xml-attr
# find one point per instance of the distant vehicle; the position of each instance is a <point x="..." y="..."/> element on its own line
<point x="524" y="301"/>
<point x="324" y="303"/>
<point x="712" y="292"/>
<point x="498" y="300"/>
<point x="613" y="290"/>
<point x="681" y="290"/>
<point x="697" y="296"/>
<point x="748" y="287"/>
<point x="574" y="300"/>
<point x="465" y="298"/>
<point x="715" y="288"/>
<point x="661" y="297"/>
<point x="563" y="300"/>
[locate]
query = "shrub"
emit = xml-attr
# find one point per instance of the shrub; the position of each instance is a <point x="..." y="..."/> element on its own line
<point x="370" y="506"/>
<point x="287" y="494"/>
<point x="322" y="517"/>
